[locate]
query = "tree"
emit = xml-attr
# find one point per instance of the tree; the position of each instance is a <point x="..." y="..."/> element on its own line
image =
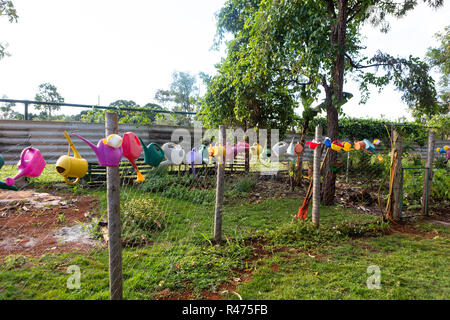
<point x="48" y="93"/>
<point x="440" y="59"/>
<point x="181" y="96"/>
<point x="7" y="9"/>
<point x="313" y="47"/>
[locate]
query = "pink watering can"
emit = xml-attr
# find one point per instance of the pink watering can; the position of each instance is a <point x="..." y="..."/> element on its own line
<point x="242" y="146"/>
<point x="230" y="152"/>
<point x="31" y="164"/>
<point x="132" y="150"/>
<point x="107" y="156"/>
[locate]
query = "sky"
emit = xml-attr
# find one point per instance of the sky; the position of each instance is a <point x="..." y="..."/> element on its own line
<point x="104" y="50"/>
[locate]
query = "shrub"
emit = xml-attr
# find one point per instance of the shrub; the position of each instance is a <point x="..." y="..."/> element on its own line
<point x="140" y="219"/>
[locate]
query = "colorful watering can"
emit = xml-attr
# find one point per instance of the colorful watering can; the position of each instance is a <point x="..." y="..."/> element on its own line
<point x="360" y="145"/>
<point x="194" y="157"/>
<point x="290" y="152"/>
<point x="298" y="149"/>
<point x="113" y="140"/>
<point x="230" y="152"/>
<point x="337" y="145"/>
<point x="443" y="150"/>
<point x="173" y="152"/>
<point x="280" y="148"/>
<point x="347" y="146"/>
<point x="256" y="150"/>
<point x="71" y="167"/>
<point x="370" y="147"/>
<point x="2" y="184"/>
<point x="153" y="153"/>
<point x="205" y="154"/>
<point x="107" y="156"/>
<point x="211" y="154"/>
<point x="327" y="142"/>
<point x="242" y="146"/>
<point x="132" y="150"/>
<point x="312" y="144"/>
<point x="31" y="164"/>
<point x="219" y="152"/>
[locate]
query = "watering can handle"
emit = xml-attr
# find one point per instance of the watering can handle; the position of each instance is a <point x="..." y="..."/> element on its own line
<point x="72" y="182"/>
<point x="71" y="146"/>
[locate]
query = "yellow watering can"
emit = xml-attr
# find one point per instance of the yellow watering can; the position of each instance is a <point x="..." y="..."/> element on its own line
<point x="347" y="146"/>
<point x="256" y="150"/>
<point x="71" y="167"/>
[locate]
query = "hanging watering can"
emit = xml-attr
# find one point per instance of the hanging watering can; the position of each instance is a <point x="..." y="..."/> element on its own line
<point x="132" y="150"/>
<point x="194" y="157"/>
<point x="107" y="156"/>
<point x="242" y="146"/>
<point x="71" y="167"/>
<point x="370" y="147"/>
<point x="219" y="152"/>
<point x="205" y="154"/>
<point x="31" y="164"/>
<point x="153" y="153"/>
<point x="327" y="142"/>
<point x="173" y="152"/>
<point x="230" y="152"/>
<point x="2" y="184"/>
<point x="347" y="146"/>
<point x="312" y="144"/>
<point x="298" y="149"/>
<point x="360" y="145"/>
<point x="290" y="152"/>
<point x="256" y="150"/>
<point x="337" y="145"/>
<point x="113" y="140"/>
<point x="443" y="150"/>
<point x="280" y="148"/>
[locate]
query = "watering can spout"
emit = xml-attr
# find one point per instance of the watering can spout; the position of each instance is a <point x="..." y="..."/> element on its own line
<point x="90" y="144"/>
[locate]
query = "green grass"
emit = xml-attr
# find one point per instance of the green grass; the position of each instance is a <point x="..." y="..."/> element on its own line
<point x="300" y="262"/>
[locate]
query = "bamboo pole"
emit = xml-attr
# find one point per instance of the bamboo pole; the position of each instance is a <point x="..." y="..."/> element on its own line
<point x="219" y="190"/>
<point x="428" y="177"/>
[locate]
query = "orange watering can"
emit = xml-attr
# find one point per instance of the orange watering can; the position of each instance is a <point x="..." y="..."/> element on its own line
<point x="71" y="167"/>
<point x="360" y="145"/>
<point x="298" y="149"/>
<point x="132" y="150"/>
<point x="31" y="164"/>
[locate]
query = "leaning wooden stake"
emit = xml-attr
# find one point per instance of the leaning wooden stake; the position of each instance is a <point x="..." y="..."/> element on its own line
<point x="114" y="225"/>
<point x="393" y="210"/>
<point x="428" y="178"/>
<point x="219" y="190"/>
<point x="316" y="178"/>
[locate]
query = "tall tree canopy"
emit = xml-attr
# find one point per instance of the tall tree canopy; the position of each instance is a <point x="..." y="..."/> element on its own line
<point x="47" y="92"/>
<point x="7" y="9"/>
<point x="283" y="49"/>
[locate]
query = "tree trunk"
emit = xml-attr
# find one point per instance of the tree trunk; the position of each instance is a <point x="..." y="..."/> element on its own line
<point x="334" y="96"/>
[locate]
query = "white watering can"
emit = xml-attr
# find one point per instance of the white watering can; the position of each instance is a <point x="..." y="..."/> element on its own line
<point x="290" y="152"/>
<point x="173" y="152"/>
<point x="280" y="148"/>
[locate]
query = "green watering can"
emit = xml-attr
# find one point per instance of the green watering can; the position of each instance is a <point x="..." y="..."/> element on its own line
<point x="153" y="153"/>
<point x="205" y="154"/>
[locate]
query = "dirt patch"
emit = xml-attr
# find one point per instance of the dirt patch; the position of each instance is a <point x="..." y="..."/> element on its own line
<point x="33" y="223"/>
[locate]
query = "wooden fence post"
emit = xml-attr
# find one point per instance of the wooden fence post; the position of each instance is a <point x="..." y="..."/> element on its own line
<point x="114" y="224"/>
<point x="219" y="190"/>
<point x="316" y="178"/>
<point x="428" y="177"/>
<point x="396" y="202"/>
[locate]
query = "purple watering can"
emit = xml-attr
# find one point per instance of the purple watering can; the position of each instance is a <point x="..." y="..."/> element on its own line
<point x="31" y="164"/>
<point x="107" y="156"/>
<point x="194" y="157"/>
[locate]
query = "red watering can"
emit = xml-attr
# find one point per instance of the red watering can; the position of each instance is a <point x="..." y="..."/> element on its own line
<point x="312" y="144"/>
<point x="31" y="164"/>
<point x="132" y="150"/>
<point x="107" y="156"/>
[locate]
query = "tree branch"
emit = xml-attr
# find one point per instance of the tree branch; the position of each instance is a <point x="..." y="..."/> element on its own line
<point x="357" y="66"/>
<point x="330" y="7"/>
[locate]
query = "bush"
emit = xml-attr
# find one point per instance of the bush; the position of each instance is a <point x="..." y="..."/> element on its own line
<point x="140" y="219"/>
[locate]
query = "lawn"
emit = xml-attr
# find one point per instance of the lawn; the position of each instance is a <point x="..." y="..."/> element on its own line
<point x="266" y="253"/>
